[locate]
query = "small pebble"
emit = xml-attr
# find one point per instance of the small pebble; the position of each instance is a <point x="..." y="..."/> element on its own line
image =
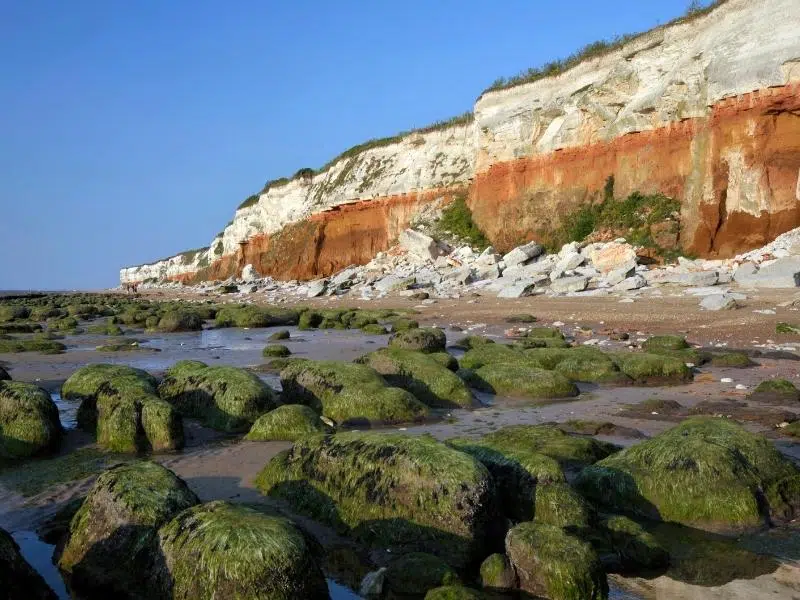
<point x="740" y="386"/>
<point x="726" y="380"/>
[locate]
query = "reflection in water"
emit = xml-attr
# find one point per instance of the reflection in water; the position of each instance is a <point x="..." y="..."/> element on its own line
<point x="67" y="411"/>
<point x="40" y="556"/>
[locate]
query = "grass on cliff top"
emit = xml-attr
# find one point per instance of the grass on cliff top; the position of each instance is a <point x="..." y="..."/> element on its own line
<point x="594" y="50"/>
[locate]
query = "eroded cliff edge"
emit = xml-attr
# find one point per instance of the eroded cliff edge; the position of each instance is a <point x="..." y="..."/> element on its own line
<point x="705" y="110"/>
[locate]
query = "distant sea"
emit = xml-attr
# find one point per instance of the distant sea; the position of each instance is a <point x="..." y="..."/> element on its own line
<point x="32" y="292"/>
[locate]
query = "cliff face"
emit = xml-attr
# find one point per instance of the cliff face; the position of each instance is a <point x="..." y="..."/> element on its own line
<point x="706" y="111"/>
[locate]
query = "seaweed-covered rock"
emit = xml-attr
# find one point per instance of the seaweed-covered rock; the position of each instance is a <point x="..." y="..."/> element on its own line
<point x="105" y="328"/>
<point x="424" y="339"/>
<point x="737" y="360"/>
<point x="276" y="351"/>
<point x="497" y="574"/>
<point x="281" y="334"/>
<point x="783" y="498"/>
<point x="400" y="324"/>
<point x="633" y="547"/>
<point x="374" y="329"/>
<point x="288" y="422"/>
<point x="472" y="341"/>
<point x="554" y="564"/>
<point x="111" y="546"/>
<point x="521" y="380"/>
<point x="180" y="319"/>
<point x="250" y="315"/>
<point x="665" y="342"/>
<point x="489" y="354"/>
<point x="352" y="482"/>
<point x="775" y="391"/>
<point x="29" y="422"/>
<point x="652" y="369"/>
<point x="4" y="376"/>
<point x="121" y="406"/>
<point x="578" y="364"/>
<point x="43" y="346"/>
<point x="422" y="375"/>
<point x="453" y="592"/>
<point x="18" y="580"/>
<point x="706" y="473"/>
<point x="13" y="312"/>
<point x="412" y="575"/>
<point x="223" y="398"/>
<point x="220" y="550"/>
<point x="348" y="393"/>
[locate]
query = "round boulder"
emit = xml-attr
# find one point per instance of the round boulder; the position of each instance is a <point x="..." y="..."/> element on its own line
<point x="29" y="422"/>
<point x="424" y="339"/>
<point x="288" y="422"/>
<point x="220" y="551"/>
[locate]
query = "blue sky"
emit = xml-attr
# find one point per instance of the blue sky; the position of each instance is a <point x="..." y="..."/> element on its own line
<point x="131" y="130"/>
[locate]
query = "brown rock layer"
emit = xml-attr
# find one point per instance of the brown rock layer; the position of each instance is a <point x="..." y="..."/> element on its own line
<point x="735" y="172"/>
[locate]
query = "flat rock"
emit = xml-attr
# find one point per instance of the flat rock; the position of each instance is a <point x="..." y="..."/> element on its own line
<point x="612" y="256"/>
<point x="780" y="273"/>
<point x="566" y="285"/>
<point x="421" y="245"/>
<point x="718" y="302"/>
<point x="519" y="289"/>
<point x="316" y="288"/>
<point x="393" y="283"/>
<point x="522" y="254"/>
<point x="630" y="283"/>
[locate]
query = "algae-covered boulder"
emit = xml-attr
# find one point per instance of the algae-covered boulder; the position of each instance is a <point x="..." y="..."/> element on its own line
<point x="412" y="575"/>
<point x="13" y="312"/>
<point x="29" y="422"/>
<point x="551" y="563"/>
<point x="520" y="380"/>
<point x="633" y="547"/>
<point x="469" y="342"/>
<point x="652" y="369"/>
<point x="223" y="398"/>
<point x="18" y="580"/>
<point x="223" y="551"/>
<point x="665" y="342"/>
<point x="489" y="354"/>
<point x="180" y="319"/>
<point x="707" y="473"/>
<point x="454" y="592"/>
<point x="281" y="334"/>
<point x="112" y="538"/>
<point x="390" y="491"/>
<point x="121" y="406"/>
<point x="497" y="574"/>
<point x="783" y="497"/>
<point x="348" y="393"/>
<point x="578" y="364"/>
<point x="775" y="391"/>
<point x="400" y="324"/>
<point x="737" y="360"/>
<point x="255" y="316"/>
<point x="424" y="339"/>
<point x="422" y="375"/>
<point x="374" y="329"/>
<point x="276" y="351"/>
<point x="288" y="422"/>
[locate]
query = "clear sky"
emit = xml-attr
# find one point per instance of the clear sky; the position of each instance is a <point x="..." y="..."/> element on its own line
<point x="131" y="129"/>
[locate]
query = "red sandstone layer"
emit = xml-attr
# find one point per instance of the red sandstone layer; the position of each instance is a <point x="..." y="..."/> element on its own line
<point x="694" y="160"/>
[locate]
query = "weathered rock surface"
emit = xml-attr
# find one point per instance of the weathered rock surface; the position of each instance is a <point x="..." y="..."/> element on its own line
<point x="350" y="481"/>
<point x="29" y="422"/>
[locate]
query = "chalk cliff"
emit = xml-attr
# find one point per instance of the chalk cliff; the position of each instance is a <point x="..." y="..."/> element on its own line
<point x="705" y="110"/>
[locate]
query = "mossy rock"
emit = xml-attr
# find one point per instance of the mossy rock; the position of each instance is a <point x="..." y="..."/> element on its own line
<point x="560" y="505"/>
<point x="521" y="380"/>
<point x="787" y="328"/>
<point x="84" y="311"/>
<point x="422" y="375"/>
<point x="4" y="376"/>
<point x="13" y="312"/>
<point x="252" y="316"/>
<point x="448" y="361"/>
<point x="472" y="341"/>
<point x="665" y="342"/>
<point x="220" y="550"/>
<point x="15" y="346"/>
<point x="223" y="398"/>
<point x="657" y="406"/>
<point x="19" y="327"/>
<point x="351" y="481"/>
<point x="412" y="575"/>
<point x="704" y="473"/>
<point x="288" y="422"/>
<point x="551" y="563"/>
<point x="425" y="339"/>
<point x="521" y="318"/>
<point x="179" y="320"/>
<point x="29" y="422"/>
<point x="309" y="319"/>
<point x="276" y="351"/>
<point x="18" y="579"/>
<point x="546" y="342"/>
<point x="738" y="360"/>
<point x="374" y="329"/>
<point x="783" y="498"/>
<point x="112" y="539"/>
<point x="106" y="328"/>
<point x="634" y="548"/>
<point x="400" y="324"/>
<point x="121" y="406"/>
<point x="579" y="364"/>
<point x="454" y="592"/>
<point x="497" y="574"/>
<point x="64" y="324"/>
<point x="652" y="369"/>
<point x="348" y="393"/>
<point x="489" y="354"/>
<point x="775" y="391"/>
<point x="282" y="334"/>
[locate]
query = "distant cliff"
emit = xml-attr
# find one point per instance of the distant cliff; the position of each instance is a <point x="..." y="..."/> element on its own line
<point x="705" y="110"/>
